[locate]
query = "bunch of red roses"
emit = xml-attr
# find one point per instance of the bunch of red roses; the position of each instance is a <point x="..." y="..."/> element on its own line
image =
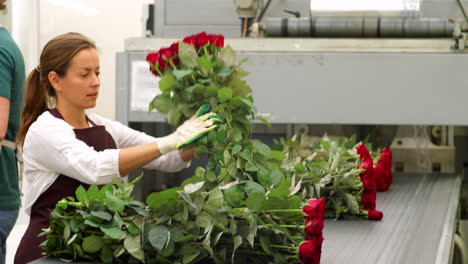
<point x="311" y="249"/>
<point x="383" y="170"/>
<point x="169" y="56"/>
<point x="369" y="194"/>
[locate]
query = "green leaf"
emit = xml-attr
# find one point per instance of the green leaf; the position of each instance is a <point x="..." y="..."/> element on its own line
<point x="263" y="120"/>
<point x="228" y="56"/>
<point x="93" y="193"/>
<point x="210" y="176"/>
<point x="193" y="187"/>
<point x="158" y="237"/>
<point x="249" y="166"/>
<point x="265" y="243"/>
<point x="264" y="178"/>
<point x="115" y="202"/>
<point x="248" y="103"/>
<point x="92" y="244"/>
<point x="157" y="200"/>
<point x="226" y="157"/>
<point x="91" y="223"/>
<point x="234" y="195"/>
<point x="351" y="203"/>
<point x="237" y="243"/>
<point x="167" y="83"/>
<point x="189" y="253"/>
<point x="112" y="232"/>
<point x="325" y="144"/>
<point x="204" y="220"/>
<point x="276" y="176"/>
<point x="188" y="55"/>
<point x="253" y="187"/>
<point x="133" y="229"/>
<point x="225" y="71"/>
<point x="81" y="194"/>
<point x="163" y="103"/>
<point x="133" y="245"/>
<point x="102" y="215"/>
<point x="119" y="251"/>
<point x="278" y="155"/>
<point x="169" y="249"/>
<point x="66" y="232"/>
<point x="180" y="74"/>
<point x="262" y="149"/>
<point x="176" y="233"/>
<point x="204" y="64"/>
<point x="211" y="91"/>
<point x="107" y="256"/>
<point x="224" y="94"/>
<point x="74" y="223"/>
<point x="236" y="149"/>
<point x="281" y="190"/>
<point x="255" y="201"/>
<point x="299" y="167"/>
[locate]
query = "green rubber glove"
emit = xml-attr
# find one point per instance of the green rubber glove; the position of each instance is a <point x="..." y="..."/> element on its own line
<point x="203" y="110"/>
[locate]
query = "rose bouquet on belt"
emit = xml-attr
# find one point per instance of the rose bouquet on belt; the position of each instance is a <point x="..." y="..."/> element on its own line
<point x="337" y="169"/>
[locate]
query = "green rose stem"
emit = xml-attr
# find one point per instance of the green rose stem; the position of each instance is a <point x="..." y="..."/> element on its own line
<point x="193" y="78"/>
<point x="282" y="211"/>
<point x="295" y="249"/>
<point x="156" y="68"/>
<point x="172" y="64"/>
<point x="254" y="252"/>
<point x="206" y="51"/>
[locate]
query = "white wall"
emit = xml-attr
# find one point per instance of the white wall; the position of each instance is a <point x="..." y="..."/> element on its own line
<point x="107" y="22"/>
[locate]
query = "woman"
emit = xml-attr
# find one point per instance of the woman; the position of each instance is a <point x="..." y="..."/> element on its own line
<point x="11" y="98"/>
<point x="64" y="148"/>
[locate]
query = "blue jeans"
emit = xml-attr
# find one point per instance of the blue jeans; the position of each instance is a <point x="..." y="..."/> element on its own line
<point x="7" y="221"/>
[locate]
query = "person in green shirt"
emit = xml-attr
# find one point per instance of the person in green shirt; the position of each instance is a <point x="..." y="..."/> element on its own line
<point x="12" y="78"/>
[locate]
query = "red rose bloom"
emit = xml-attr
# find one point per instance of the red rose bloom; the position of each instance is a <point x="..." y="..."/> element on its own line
<point x="175" y="47"/>
<point x="314" y="208"/>
<point x="368" y="199"/>
<point x="363" y="151"/>
<point x="314" y="227"/>
<point x="382" y="180"/>
<point x="310" y="250"/>
<point x="152" y="57"/>
<point x="190" y="40"/>
<point x="375" y="215"/>
<point x="217" y="40"/>
<point x="166" y="53"/>
<point x="368" y="181"/>
<point x="201" y="39"/>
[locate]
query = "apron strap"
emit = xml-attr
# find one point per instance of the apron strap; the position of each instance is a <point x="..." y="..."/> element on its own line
<point x="8" y="144"/>
<point x="19" y="156"/>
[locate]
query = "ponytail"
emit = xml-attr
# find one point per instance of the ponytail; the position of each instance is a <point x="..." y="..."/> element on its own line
<point x="56" y="57"/>
<point x="36" y="103"/>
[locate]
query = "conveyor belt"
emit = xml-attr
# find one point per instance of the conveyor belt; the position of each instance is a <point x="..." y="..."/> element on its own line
<point x="418" y="226"/>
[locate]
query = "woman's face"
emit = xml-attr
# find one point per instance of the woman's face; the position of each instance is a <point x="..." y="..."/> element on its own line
<point x="80" y="86"/>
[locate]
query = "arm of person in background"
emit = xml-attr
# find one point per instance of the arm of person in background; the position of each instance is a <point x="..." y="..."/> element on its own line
<point x="4" y="112"/>
<point x="5" y="90"/>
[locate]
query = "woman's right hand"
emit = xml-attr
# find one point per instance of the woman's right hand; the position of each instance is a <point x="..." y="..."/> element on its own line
<point x="187" y="132"/>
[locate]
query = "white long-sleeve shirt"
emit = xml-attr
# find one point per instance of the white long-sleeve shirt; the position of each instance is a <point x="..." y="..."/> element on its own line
<point x="51" y="148"/>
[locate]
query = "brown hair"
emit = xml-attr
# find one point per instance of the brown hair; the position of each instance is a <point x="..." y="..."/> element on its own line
<point x="56" y="56"/>
<point x="3" y="8"/>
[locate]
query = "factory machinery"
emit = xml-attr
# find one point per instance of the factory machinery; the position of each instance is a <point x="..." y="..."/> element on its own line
<point x="397" y="75"/>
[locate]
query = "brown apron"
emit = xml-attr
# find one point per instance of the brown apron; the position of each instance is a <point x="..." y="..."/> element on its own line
<point x="64" y="186"/>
